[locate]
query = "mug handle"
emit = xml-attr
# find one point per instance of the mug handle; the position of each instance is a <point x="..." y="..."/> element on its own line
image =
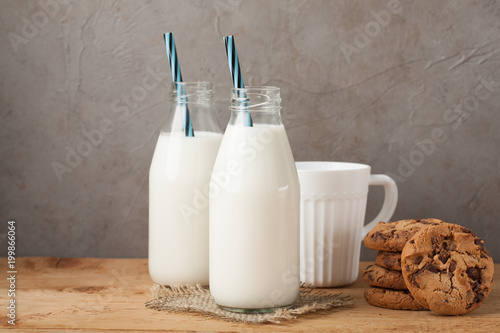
<point x="390" y="200"/>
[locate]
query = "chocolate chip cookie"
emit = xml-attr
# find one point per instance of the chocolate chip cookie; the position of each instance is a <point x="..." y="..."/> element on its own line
<point x="447" y="269"/>
<point x="392" y="236"/>
<point x="379" y="276"/>
<point x="389" y="259"/>
<point x="391" y="299"/>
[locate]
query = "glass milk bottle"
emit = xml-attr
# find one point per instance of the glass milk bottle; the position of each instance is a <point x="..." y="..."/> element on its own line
<point x="254" y="208"/>
<point x="179" y="179"/>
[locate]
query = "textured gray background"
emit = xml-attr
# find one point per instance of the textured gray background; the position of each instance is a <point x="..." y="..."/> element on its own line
<point x="95" y="65"/>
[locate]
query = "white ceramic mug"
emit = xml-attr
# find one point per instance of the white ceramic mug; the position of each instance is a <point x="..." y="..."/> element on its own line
<point x="332" y="214"/>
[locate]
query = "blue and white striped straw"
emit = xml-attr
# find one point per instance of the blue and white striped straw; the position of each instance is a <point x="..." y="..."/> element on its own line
<point x="235" y="69"/>
<point x="177" y="77"/>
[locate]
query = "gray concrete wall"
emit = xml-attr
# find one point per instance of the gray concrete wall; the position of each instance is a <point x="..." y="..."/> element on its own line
<point x="409" y="87"/>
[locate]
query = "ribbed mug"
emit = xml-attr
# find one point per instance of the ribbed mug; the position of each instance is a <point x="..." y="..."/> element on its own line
<point x="332" y="214"/>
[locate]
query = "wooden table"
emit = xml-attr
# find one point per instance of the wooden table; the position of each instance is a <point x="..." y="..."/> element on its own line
<point x="88" y="294"/>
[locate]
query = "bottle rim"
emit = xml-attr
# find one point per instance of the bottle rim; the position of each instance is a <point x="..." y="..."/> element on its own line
<point x="255" y="99"/>
<point x="257" y="88"/>
<point x="183" y="92"/>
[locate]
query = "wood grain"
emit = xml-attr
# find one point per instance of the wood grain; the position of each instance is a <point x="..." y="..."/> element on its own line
<point x="88" y="294"/>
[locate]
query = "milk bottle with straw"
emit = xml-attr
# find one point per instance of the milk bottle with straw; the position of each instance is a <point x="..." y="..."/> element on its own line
<point x="178" y="181"/>
<point x="254" y="204"/>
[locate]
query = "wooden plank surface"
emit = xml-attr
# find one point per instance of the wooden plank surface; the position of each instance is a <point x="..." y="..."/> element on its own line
<point x="88" y="294"/>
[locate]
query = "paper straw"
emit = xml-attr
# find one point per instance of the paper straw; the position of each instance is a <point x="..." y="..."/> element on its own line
<point x="235" y="69"/>
<point x="177" y="77"/>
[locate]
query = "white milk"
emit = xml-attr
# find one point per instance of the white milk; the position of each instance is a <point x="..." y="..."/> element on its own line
<point x="178" y="207"/>
<point x="254" y="220"/>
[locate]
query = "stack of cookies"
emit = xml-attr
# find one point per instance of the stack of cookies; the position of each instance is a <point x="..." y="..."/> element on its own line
<point x="387" y="286"/>
<point x="427" y="264"/>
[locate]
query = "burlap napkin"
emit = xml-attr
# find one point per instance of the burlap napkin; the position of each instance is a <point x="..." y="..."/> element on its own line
<point x="183" y="298"/>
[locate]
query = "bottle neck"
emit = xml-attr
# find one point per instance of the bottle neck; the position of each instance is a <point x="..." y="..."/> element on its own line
<point x="192" y="92"/>
<point x="191" y="109"/>
<point x="261" y="104"/>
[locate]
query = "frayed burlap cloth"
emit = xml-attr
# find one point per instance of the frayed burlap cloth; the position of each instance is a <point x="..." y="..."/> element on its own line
<point x="181" y="298"/>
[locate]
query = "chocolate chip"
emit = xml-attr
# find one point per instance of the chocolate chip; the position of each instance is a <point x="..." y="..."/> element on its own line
<point x="415" y="282"/>
<point x="418" y="260"/>
<point x="443" y="257"/>
<point x="432" y="268"/>
<point x="379" y="234"/>
<point x="412" y="242"/>
<point x="420" y="271"/>
<point x="453" y="265"/>
<point x="445" y="245"/>
<point x="484" y="256"/>
<point x="473" y="273"/>
<point x="433" y="240"/>
<point x="480" y="243"/>
<point x="467" y="231"/>
<point x="475" y="286"/>
<point x="479" y="297"/>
